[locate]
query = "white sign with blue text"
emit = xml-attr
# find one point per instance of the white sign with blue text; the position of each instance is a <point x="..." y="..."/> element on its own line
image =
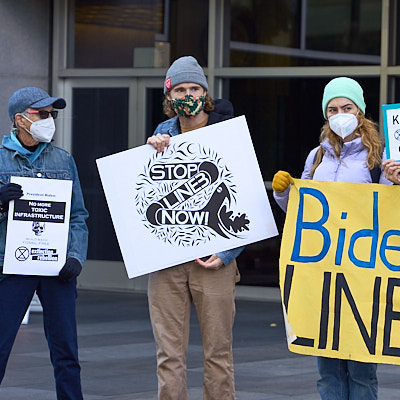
<point x="391" y="125"/>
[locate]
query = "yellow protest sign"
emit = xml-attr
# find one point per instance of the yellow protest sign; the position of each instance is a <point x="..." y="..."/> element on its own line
<point x="340" y="270"/>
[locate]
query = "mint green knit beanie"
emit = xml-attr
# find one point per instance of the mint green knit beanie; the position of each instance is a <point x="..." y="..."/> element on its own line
<point x="343" y="87"/>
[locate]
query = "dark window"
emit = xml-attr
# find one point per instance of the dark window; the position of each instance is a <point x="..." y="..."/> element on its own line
<point x="296" y="33"/>
<point x="136" y="33"/>
<point x="395" y="33"/>
<point x="154" y="110"/>
<point x="100" y="128"/>
<point x="285" y="117"/>
<point x="189" y="30"/>
<point x="397" y="91"/>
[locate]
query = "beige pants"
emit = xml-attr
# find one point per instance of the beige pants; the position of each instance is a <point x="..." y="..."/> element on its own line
<point x="171" y="292"/>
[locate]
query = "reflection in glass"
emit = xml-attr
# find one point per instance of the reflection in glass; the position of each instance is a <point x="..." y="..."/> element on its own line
<point x="118" y="34"/>
<point x="100" y="128"/>
<point x="396" y="30"/>
<point x="189" y="29"/>
<point x="305" y="32"/>
<point x="136" y="33"/>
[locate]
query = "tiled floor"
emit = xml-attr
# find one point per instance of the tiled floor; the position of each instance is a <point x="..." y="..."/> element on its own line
<point x="117" y="354"/>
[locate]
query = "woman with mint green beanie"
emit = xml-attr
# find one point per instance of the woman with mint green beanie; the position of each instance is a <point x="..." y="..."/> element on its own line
<point x="350" y="150"/>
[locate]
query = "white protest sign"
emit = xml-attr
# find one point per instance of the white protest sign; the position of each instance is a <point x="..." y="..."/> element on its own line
<point x="204" y="194"/>
<point x="37" y="227"/>
<point x="391" y="125"/>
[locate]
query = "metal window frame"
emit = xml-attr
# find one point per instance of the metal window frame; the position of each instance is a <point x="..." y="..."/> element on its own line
<point x="218" y="33"/>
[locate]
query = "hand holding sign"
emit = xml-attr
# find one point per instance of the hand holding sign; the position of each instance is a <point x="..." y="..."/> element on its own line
<point x="281" y="181"/>
<point x="392" y="171"/>
<point x="71" y="269"/>
<point x="159" y="142"/>
<point x="8" y="192"/>
<point x="212" y="262"/>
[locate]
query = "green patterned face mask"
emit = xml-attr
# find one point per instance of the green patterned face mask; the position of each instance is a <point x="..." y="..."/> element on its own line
<point x="189" y="106"/>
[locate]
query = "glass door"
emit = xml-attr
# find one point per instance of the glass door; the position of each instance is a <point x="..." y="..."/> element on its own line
<point x="104" y="117"/>
<point x="151" y="95"/>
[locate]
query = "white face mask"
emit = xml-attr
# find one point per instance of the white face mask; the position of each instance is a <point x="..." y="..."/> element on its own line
<point x="42" y="130"/>
<point x="343" y="124"/>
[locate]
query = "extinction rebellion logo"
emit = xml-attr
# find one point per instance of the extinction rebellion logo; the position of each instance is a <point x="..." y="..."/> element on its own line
<point x="186" y="196"/>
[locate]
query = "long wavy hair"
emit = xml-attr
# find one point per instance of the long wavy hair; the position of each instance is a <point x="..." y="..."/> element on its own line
<point x="366" y="129"/>
<point x="169" y="111"/>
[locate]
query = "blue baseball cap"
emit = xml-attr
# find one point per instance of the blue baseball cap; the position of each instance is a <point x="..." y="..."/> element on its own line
<point x="32" y="97"/>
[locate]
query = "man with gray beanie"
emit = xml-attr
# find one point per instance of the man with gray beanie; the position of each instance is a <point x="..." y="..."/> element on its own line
<point x="209" y="283"/>
<point x="28" y="151"/>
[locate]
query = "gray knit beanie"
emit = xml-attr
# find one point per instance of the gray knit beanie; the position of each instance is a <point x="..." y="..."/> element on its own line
<point x="184" y="69"/>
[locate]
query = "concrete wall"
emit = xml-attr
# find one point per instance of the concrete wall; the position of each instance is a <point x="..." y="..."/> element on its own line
<point x="24" y="49"/>
<point x="109" y="275"/>
<point x="112" y="276"/>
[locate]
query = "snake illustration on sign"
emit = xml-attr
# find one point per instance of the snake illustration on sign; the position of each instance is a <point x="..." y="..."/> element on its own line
<point x="186" y="196"/>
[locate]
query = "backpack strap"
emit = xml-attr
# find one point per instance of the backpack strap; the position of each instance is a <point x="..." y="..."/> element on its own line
<point x="316" y="153"/>
<point x="375" y="173"/>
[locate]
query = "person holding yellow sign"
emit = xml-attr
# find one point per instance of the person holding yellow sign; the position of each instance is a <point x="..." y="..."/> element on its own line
<point x="350" y="150"/>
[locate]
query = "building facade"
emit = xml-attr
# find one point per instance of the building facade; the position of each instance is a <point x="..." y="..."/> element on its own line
<point x="271" y="59"/>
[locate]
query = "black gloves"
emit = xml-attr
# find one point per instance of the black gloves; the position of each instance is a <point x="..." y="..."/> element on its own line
<point x="71" y="269"/>
<point x="10" y="191"/>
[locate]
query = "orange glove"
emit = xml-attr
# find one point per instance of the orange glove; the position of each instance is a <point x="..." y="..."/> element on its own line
<point x="281" y="181"/>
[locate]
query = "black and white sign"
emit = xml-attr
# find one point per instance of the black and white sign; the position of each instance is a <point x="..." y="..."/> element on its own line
<point x="37" y="227"/>
<point x="204" y="194"/>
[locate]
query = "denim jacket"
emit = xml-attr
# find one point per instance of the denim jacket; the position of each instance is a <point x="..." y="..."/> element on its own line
<point x="223" y="111"/>
<point x="54" y="163"/>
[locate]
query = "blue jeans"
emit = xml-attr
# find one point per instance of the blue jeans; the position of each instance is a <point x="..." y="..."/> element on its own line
<point x="58" y="300"/>
<point x="346" y="380"/>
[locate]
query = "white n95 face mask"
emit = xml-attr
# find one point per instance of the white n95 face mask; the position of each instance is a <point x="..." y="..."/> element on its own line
<point x="42" y="130"/>
<point x="343" y="124"/>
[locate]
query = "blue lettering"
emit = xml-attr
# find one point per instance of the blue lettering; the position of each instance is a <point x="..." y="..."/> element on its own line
<point x="317" y="226"/>
<point x="340" y="244"/>
<point x="384" y="246"/>
<point x="373" y="233"/>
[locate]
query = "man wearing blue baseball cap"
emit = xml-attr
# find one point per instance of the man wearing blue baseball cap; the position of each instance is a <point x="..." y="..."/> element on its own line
<point x="28" y="152"/>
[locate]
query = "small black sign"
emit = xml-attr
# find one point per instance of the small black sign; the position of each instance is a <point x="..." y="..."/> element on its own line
<point x="41" y="211"/>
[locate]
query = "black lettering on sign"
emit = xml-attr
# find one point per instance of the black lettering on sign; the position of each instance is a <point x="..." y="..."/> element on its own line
<point x="167" y="172"/>
<point x="300" y="341"/>
<point x="369" y="340"/>
<point x="323" y="325"/>
<point x="390" y="316"/>
<point x="40" y="211"/>
<point x="44" y="254"/>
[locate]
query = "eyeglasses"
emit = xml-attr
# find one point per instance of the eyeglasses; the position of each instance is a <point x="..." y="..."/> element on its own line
<point x="43" y="114"/>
